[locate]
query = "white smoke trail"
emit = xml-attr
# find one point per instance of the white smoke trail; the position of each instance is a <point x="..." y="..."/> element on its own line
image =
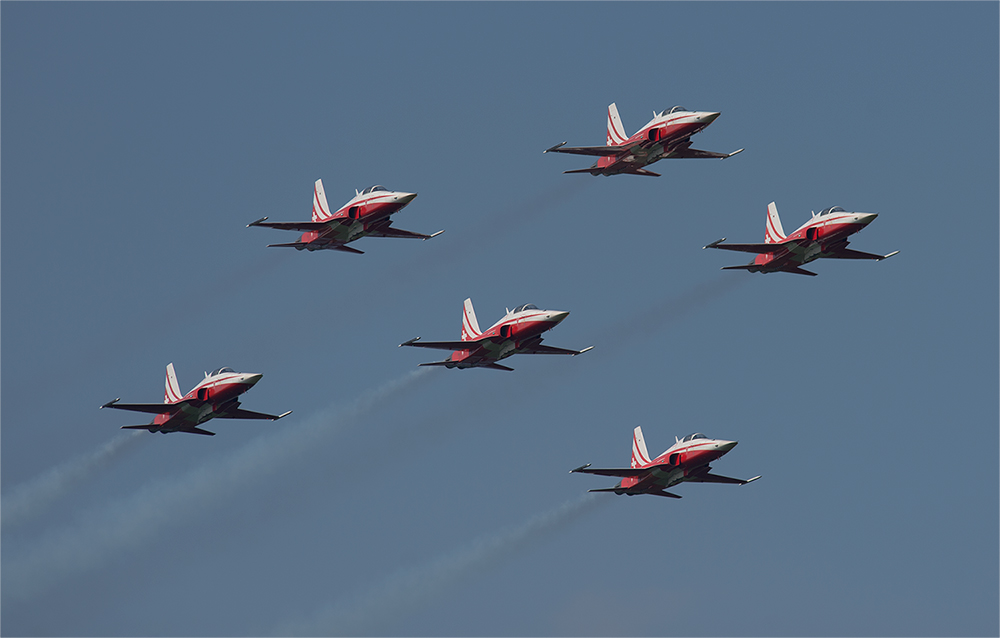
<point x="31" y="498"/>
<point x="131" y="522"/>
<point x="408" y="589"/>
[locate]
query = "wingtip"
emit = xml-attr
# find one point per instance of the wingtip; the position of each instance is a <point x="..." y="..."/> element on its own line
<point x="409" y="342"/>
<point x="552" y="148"/>
<point x="895" y="252"/>
<point x="580" y="469"/>
<point x="283" y="415"/>
<point x="435" y="235"/>
<point x="714" y="244"/>
<point x="257" y="222"/>
<point x="587" y="349"/>
<point x="110" y="403"/>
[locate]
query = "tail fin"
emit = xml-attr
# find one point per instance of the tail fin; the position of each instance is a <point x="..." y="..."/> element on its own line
<point x="321" y="210"/>
<point x="616" y="132"/>
<point x="640" y="456"/>
<point x="172" y="392"/>
<point x="470" y="327"/>
<point x="773" y="234"/>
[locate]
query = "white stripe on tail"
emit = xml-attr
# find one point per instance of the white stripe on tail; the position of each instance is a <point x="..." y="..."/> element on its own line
<point x="172" y="393"/>
<point x="470" y="327"/>
<point x="616" y="132"/>
<point x="321" y="210"/>
<point x="640" y="457"/>
<point x="773" y="234"/>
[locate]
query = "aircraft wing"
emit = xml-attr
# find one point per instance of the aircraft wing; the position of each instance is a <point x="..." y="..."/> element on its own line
<point x="239" y="413"/>
<point x="389" y="231"/>
<point x="693" y="153"/>
<point x="749" y="248"/>
<point x="590" y="150"/>
<point x="444" y="345"/>
<point x="624" y="472"/>
<point x="847" y="253"/>
<point x="708" y="477"/>
<point x="149" y="408"/>
<point x="301" y="226"/>
<point x="540" y="349"/>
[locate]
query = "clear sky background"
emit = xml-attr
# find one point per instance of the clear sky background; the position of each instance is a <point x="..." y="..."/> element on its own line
<point x="140" y="139"/>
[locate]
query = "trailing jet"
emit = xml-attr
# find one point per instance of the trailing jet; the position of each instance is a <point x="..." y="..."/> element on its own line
<point x="823" y="236"/>
<point x="214" y="397"/>
<point x="686" y="460"/>
<point x="667" y="136"/>
<point x="365" y="215"/>
<point x="519" y="332"/>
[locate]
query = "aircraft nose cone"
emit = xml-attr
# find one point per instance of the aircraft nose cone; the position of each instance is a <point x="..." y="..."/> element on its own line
<point x="725" y="446"/>
<point x="866" y="218"/>
<point x="558" y="315"/>
<point x="406" y="198"/>
<point x="251" y="379"/>
<point x="708" y="118"/>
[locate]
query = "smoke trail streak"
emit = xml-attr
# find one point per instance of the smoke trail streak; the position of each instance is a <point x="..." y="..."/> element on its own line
<point x="31" y="498"/>
<point x="668" y="310"/>
<point x="132" y="522"/>
<point x="408" y="589"/>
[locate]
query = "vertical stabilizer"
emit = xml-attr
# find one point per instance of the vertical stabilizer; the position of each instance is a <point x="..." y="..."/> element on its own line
<point x="640" y="457"/>
<point x="470" y="327"/>
<point x="172" y="393"/>
<point x="773" y="233"/>
<point x="616" y="132"/>
<point x="321" y="210"/>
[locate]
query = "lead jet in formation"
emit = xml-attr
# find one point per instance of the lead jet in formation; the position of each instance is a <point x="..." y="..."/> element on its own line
<point x="686" y="460"/>
<point x="367" y="214"/>
<point x="519" y="332"/>
<point x="823" y="236"/>
<point x="666" y="136"/>
<point x="214" y="397"/>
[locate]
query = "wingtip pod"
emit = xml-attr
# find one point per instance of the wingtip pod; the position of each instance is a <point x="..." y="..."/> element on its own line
<point x="714" y="244"/>
<point x="587" y="349"/>
<point x="257" y="222"/>
<point x="895" y="252"/>
<point x="733" y="153"/>
<point x="552" y="148"/>
<point x="434" y="235"/>
<point x="110" y="403"/>
<point x="580" y="469"/>
<point x="751" y="480"/>
<point x="281" y="416"/>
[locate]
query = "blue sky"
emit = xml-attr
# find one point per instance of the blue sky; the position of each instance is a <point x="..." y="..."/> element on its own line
<point x="139" y="140"/>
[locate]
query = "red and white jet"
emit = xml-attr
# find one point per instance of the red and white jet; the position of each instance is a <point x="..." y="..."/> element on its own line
<point x="686" y="460"/>
<point x="519" y="332"/>
<point x="214" y="397"/>
<point x="667" y="136"/>
<point x="365" y="215"/>
<point x="823" y="236"/>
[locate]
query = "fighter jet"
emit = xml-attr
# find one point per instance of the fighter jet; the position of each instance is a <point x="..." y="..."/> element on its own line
<point x="365" y="215"/>
<point x="823" y="236"/>
<point x="686" y="460"/>
<point x="667" y="136"/>
<point x="214" y="397"/>
<point x="519" y="332"/>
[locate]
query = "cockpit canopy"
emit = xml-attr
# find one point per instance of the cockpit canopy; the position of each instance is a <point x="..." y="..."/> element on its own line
<point x="677" y="109"/>
<point x="527" y="306"/>
<point x="221" y="371"/>
<point x="372" y="189"/>
<point x="832" y="209"/>
<point x="691" y="437"/>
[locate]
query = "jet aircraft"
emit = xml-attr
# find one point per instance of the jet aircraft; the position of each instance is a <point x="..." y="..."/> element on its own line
<point x="518" y="332"/>
<point x="686" y="460"/>
<point x="823" y="236"/>
<point x="215" y="396"/>
<point x="666" y="136"/>
<point x="367" y="214"/>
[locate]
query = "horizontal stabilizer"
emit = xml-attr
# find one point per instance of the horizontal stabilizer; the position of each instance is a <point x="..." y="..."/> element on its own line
<point x="590" y="150"/>
<point x="495" y="366"/>
<point x="347" y="249"/>
<point x="664" y="493"/>
<point x="593" y="171"/>
<point x="641" y="171"/>
<point x="197" y="431"/>
<point x="799" y="271"/>
<point x="435" y="363"/>
<point x="443" y="345"/>
<point x="624" y="472"/>
<point x="759" y="249"/>
<point x="147" y="427"/>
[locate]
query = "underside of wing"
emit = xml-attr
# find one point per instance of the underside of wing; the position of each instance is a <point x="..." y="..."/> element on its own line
<point x="590" y="150"/>
<point x="300" y="226"/>
<point x="148" y="408"/>
<point x="848" y="253"/>
<point x="760" y="249"/>
<point x="693" y="153"/>
<point x="389" y="231"/>
<point x="444" y="345"/>
<point x="641" y="171"/>
<point x="542" y="349"/>
<point x="708" y="477"/>
<point x="194" y="430"/>
<point x="239" y="413"/>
